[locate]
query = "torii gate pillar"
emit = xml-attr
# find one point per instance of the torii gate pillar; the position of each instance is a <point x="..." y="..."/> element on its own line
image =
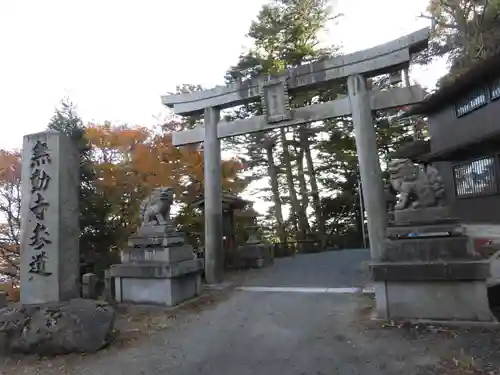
<point x="369" y="166"/>
<point x="214" y="251"/>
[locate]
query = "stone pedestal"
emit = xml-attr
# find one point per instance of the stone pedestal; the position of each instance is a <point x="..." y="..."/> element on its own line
<point x="255" y="253"/>
<point x="157" y="268"/>
<point x="428" y="271"/>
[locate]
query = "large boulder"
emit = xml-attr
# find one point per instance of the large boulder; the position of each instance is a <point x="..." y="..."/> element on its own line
<point x="76" y="326"/>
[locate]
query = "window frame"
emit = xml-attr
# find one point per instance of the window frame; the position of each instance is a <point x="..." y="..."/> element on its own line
<point x="495" y="90"/>
<point x="469" y="163"/>
<point x="467" y="101"/>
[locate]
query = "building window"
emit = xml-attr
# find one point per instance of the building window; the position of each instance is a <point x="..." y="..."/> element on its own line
<point x="475" y="100"/>
<point x="495" y="90"/>
<point x="475" y="178"/>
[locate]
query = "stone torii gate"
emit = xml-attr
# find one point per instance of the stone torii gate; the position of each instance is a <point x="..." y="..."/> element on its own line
<point x="273" y="91"/>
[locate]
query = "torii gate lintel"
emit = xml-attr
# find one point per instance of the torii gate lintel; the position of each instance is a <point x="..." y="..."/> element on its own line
<point x="395" y="97"/>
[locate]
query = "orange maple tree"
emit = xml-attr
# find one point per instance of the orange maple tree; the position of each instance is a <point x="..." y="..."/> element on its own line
<point x="128" y="163"/>
<point x="131" y="161"/>
<point x="10" y="211"/>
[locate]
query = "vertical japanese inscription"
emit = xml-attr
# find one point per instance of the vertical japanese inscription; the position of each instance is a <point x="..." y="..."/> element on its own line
<point x="275" y="101"/>
<point x="40" y="182"/>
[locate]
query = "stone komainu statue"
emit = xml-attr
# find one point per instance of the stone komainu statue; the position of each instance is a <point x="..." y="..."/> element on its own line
<point x="155" y="209"/>
<point x="418" y="187"/>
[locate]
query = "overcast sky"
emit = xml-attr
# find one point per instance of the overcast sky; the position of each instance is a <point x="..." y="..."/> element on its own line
<point x="114" y="58"/>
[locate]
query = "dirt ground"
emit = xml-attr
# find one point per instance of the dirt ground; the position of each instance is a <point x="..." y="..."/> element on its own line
<point x="463" y="350"/>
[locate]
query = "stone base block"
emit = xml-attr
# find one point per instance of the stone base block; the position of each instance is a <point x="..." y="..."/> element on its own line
<point x="430" y="215"/>
<point x="173" y="239"/>
<point x="430" y="271"/>
<point x="427" y="249"/>
<point x="252" y="262"/>
<point x="152" y="270"/>
<point x="173" y="254"/>
<point x="381" y="311"/>
<point x="159" y="291"/>
<point x="404" y="231"/>
<point x="252" y="255"/>
<point x="433" y="300"/>
<point x="156" y="230"/>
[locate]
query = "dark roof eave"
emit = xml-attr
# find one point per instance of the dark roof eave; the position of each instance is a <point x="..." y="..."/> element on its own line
<point x="232" y="200"/>
<point x="478" y="74"/>
<point x="460" y="151"/>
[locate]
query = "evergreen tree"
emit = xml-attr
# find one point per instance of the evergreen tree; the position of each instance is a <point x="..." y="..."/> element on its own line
<point x="465" y="31"/>
<point x="97" y="239"/>
<point x="285" y="34"/>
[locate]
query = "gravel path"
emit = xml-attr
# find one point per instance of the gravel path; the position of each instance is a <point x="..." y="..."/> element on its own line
<point x="344" y="268"/>
<point x="269" y="333"/>
<point x="259" y="333"/>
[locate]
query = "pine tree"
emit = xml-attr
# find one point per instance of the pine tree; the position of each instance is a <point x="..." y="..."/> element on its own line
<point x="285" y="34"/>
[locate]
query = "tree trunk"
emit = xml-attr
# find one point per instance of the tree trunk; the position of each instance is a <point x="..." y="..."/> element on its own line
<point x="273" y="175"/>
<point x="318" y="211"/>
<point x="296" y="214"/>
<point x="303" y="191"/>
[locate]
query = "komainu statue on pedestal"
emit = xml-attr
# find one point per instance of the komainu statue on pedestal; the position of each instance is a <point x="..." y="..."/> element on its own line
<point x="155" y="209"/>
<point x="418" y="187"/>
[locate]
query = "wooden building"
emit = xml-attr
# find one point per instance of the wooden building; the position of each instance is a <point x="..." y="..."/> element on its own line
<point x="464" y="129"/>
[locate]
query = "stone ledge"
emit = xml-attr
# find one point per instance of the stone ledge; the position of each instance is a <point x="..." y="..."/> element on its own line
<point x="156" y="230"/>
<point x="427" y="249"/>
<point x="165" y="241"/>
<point x="422" y="216"/>
<point x="246" y="263"/>
<point x="426" y="271"/>
<point x="402" y="231"/>
<point x="156" y="270"/>
<point x="172" y="254"/>
<point x="254" y="251"/>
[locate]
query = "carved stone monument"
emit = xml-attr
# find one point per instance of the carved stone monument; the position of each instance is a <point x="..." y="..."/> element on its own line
<point x="427" y="270"/>
<point x="157" y="267"/>
<point x="255" y="252"/>
<point x="52" y="319"/>
<point x="50" y="222"/>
